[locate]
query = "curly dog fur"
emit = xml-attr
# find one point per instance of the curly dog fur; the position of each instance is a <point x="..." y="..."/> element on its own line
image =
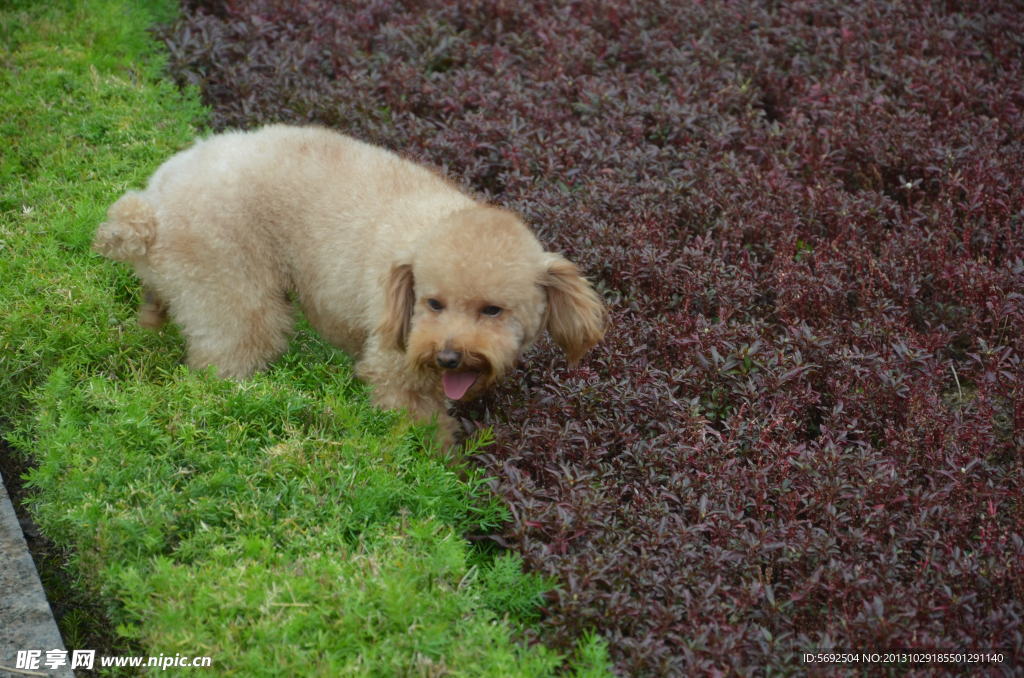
<point x="435" y="294"/>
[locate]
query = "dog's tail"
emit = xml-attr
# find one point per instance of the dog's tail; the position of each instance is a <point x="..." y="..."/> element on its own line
<point x="129" y="231"/>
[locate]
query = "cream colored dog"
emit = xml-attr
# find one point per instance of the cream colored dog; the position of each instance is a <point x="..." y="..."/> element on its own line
<point x="435" y="294"/>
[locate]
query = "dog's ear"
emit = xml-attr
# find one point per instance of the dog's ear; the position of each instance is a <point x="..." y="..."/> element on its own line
<point x="576" y="318"/>
<point x="399" y="297"/>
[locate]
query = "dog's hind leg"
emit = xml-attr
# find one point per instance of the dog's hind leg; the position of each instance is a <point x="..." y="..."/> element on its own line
<point x="152" y="310"/>
<point x="237" y="339"/>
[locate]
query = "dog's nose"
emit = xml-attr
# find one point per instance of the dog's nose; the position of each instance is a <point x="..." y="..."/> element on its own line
<point x="449" y="359"/>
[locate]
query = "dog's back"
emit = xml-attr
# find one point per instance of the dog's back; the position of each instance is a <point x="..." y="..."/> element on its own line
<point x="240" y="189"/>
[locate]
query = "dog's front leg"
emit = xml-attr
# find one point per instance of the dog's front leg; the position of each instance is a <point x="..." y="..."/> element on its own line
<point x="392" y="389"/>
<point x="422" y="409"/>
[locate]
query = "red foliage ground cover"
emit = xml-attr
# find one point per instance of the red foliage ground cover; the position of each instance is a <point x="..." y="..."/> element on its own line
<point x="805" y="428"/>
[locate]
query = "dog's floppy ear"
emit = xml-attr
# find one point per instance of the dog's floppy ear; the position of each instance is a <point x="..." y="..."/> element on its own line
<point x="399" y="297"/>
<point x="576" y="318"/>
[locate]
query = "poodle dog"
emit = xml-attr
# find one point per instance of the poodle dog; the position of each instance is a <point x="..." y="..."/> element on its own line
<point x="435" y="294"/>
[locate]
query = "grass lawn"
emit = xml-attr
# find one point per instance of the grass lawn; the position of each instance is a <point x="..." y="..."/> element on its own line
<point x="281" y="526"/>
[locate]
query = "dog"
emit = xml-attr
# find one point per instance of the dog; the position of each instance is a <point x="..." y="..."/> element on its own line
<point x="434" y="293"/>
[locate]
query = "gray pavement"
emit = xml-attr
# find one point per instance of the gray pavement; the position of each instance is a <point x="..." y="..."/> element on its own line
<point x="26" y="621"/>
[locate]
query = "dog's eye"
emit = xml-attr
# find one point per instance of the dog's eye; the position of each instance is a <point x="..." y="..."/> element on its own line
<point x="491" y="311"/>
<point x="435" y="304"/>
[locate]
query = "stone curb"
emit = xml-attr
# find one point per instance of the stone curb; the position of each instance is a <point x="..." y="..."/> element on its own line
<point x="26" y="621"/>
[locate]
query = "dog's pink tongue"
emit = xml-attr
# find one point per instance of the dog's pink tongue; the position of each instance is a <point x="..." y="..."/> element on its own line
<point x="457" y="383"/>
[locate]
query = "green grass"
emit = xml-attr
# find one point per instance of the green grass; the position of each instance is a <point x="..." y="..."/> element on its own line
<point x="84" y="117"/>
<point x="282" y="526"/>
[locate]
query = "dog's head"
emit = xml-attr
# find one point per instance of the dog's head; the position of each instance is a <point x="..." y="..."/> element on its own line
<point x="477" y="294"/>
